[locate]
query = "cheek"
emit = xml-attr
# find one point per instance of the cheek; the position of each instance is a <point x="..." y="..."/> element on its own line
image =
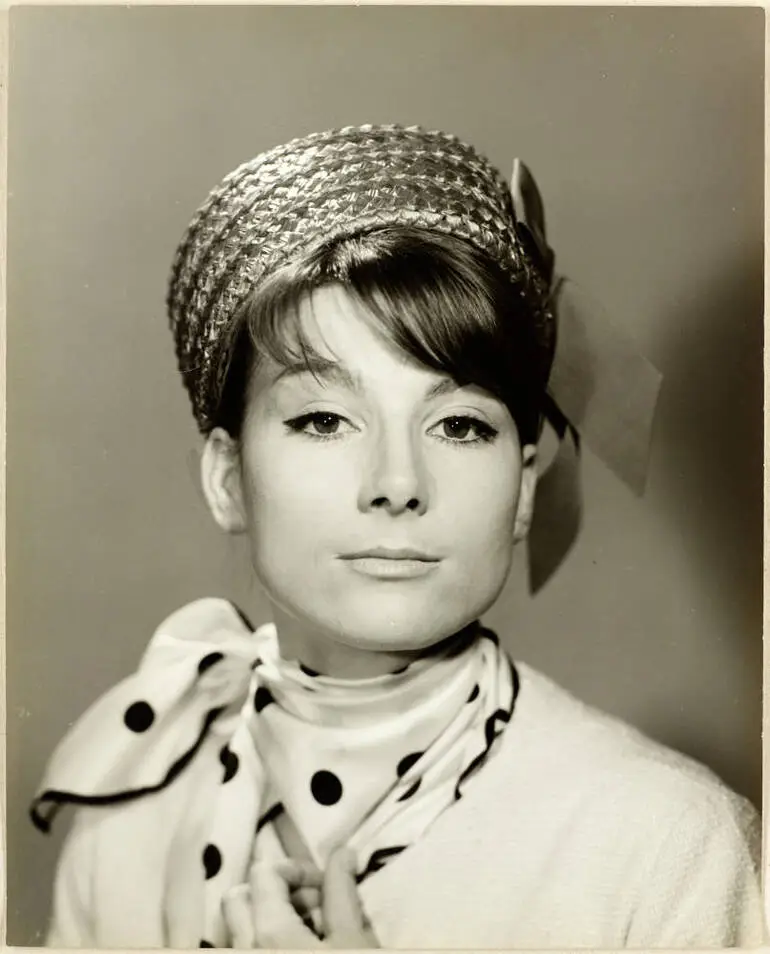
<point x="484" y="530"/>
<point x="482" y="494"/>
<point x="290" y="499"/>
<point x="488" y="539"/>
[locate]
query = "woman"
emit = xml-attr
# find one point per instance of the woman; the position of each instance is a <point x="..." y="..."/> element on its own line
<point x="366" y="323"/>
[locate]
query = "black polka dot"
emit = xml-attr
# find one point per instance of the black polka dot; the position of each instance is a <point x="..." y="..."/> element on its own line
<point x="326" y="788"/>
<point x="229" y="759"/>
<point x="208" y="661"/>
<point x="474" y="693"/>
<point x="212" y="860"/>
<point x="308" y="671"/>
<point x="205" y="944"/>
<point x="257" y="662"/>
<point x="407" y="762"/>
<point x="410" y="791"/>
<point x="139" y="716"/>
<point x="262" y="697"/>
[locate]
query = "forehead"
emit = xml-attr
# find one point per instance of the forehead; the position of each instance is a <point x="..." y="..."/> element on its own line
<point x="337" y="339"/>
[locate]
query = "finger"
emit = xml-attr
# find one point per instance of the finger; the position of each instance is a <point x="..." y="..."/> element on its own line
<point x="343" y="916"/>
<point x="236" y="905"/>
<point x="299" y="874"/>
<point x="306" y="899"/>
<point x="340" y="894"/>
<point x="277" y="923"/>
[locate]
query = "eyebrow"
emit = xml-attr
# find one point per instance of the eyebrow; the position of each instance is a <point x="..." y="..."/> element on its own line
<point x="332" y="372"/>
<point x="324" y="370"/>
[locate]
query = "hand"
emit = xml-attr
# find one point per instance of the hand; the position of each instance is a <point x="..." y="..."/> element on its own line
<point x="288" y="893"/>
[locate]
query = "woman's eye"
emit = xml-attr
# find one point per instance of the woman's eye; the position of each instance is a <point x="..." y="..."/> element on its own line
<point x="319" y="424"/>
<point x="463" y="429"/>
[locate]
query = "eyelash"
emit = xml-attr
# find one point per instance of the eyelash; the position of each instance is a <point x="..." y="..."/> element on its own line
<point x="486" y="433"/>
<point x="298" y="424"/>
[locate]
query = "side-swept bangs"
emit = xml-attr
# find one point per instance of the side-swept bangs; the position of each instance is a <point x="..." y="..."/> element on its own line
<point x="437" y="298"/>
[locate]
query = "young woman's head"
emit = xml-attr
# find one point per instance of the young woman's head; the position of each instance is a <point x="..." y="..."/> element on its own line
<point x="376" y="438"/>
<point x="378" y="399"/>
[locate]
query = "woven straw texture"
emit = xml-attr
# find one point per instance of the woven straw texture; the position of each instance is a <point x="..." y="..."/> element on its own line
<point x="322" y="188"/>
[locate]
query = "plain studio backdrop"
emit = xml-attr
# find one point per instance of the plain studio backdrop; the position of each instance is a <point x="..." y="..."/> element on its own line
<point x="644" y="128"/>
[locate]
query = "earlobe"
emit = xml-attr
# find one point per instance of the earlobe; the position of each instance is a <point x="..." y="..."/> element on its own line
<point x="526" y="503"/>
<point x="221" y="481"/>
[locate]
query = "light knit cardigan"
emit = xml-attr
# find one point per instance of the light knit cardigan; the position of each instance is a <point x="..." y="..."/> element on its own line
<point x="580" y="832"/>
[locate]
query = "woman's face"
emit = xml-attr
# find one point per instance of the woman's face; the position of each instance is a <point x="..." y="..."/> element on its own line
<point x="380" y="499"/>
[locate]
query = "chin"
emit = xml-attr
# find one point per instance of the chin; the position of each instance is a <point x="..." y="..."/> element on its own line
<point x="389" y="628"/>
<point x="406" y="616"/>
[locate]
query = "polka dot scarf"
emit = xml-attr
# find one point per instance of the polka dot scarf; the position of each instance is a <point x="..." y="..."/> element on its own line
<point x="303" y="762"/>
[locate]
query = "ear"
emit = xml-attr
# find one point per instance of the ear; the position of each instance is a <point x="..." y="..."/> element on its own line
<point x="221" y="481"/>
<point x="526" y="502"/>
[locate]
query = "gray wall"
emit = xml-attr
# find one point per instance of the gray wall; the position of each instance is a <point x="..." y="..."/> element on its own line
<point x="645" y="129"/>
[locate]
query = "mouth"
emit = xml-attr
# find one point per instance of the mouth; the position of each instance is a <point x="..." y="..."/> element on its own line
<point x="391" y="553"/>
<point x="392" y="563"/>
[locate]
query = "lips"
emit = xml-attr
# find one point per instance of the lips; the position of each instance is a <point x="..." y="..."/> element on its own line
<point x="391" y="553"/>
<point x="392" y="563"/>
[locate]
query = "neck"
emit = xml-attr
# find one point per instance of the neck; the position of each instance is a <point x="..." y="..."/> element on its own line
<point x="325" y="654"/>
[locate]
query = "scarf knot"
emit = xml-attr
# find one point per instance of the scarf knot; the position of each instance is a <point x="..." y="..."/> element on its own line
<point x="194" y="678"/>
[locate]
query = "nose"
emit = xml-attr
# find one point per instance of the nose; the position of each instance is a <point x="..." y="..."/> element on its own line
<point x="395" y="478"/>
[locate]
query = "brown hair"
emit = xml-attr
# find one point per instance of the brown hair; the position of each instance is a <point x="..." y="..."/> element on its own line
<point x="438" y="298"/>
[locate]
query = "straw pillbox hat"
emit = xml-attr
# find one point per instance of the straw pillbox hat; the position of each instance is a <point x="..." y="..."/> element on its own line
<point x="325" y="187"/>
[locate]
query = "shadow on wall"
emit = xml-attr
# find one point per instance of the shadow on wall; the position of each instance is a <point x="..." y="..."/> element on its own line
<point x="711" y="433"/>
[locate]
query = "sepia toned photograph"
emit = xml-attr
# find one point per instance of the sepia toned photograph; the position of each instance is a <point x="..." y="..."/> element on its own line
<point x="385" y="477"/>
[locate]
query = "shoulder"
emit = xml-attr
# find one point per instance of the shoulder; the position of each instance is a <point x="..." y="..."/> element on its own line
<point x="572" y="737"/>
<point x="684" y="846"/>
